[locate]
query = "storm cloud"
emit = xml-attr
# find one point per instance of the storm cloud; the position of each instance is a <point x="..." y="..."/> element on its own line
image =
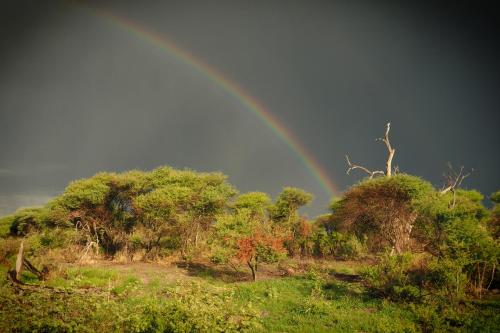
<point x="79" y="94"/>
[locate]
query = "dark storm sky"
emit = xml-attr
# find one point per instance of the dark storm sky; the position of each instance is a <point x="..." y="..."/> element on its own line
<point x="79" y="95"/>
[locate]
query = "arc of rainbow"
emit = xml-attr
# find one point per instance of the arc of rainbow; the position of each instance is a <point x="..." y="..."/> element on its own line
<point x="250" y="103"/>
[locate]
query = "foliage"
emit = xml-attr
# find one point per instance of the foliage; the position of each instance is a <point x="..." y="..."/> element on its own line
<point x="133" y="210"/>
<point x="452" y="237"/>
<point x="494" y="222"/>
<point x="495" y="197"/>
<point x="5" y="223"/>
<point x="285" y="209"/>
<point x="247" y="234"/>
<point x="343" y="246"/>
<point x="383" y="210"/>
<point x="188" y="308"/>
<point x="26" y="220"/>
<point x="284" y="213"/>
<point x="257" y="202"/>
<point x="454" y="229"/>
<point x="390" y="277"/>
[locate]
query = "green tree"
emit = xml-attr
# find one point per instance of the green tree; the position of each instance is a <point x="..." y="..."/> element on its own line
<point x="494" y="223"/>
<point x="384" y="210"/>
<point x="120" y="211"/>
<point x="247" y="234"/>
<point x="27" y="220"/>
<point x="184" y="205"/>
<point x="285" y="209"/>
<point x="284" y="213"/>
<point x="454" y="227"/>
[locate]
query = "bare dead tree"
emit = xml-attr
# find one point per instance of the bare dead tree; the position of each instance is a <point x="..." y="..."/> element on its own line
<point x="391" y="151"/>
<point x="388" y="169"/>
<point x="452" y="180"/>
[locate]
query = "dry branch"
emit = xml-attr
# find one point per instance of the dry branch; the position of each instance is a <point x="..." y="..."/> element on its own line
<point x="454" y="179"/>
<point x="392" y="151"/>
<point x="355" y="166"/>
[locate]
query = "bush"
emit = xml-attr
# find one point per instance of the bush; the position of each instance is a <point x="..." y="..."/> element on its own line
<point x="324" y="243"/>
<point x="345" y="246"/>
<point x="446" y="276"/>
<point x="391" y="277"/>
<point x="189" y="308"/>
<point x="5" y="223"/>
<point x="350" y="247"/>
<point x="9" y="247"/>
<point x="27" y="220"/>
<point x="58" y="238"/>
<point x="384" y="210"/>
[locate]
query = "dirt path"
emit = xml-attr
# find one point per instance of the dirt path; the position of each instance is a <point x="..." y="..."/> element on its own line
<point x="179" y="270"/>
<point x="145" y="271"/>
<point x="176" y="271"/>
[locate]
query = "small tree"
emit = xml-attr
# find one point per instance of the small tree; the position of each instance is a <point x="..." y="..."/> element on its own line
<point x="285" y="209"/>
<point x="119" y="212"/>
<point x="284" y="214"/>
<point x="247" y="234"/>
<point x="453" y="227"/>
<point x="383" y="209"/>
<point x="183" y="206"/>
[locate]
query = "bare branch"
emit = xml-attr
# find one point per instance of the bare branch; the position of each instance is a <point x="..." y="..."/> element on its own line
<point x="355" y="166"/>
<point x="454" y="179"/>
<point x="392" y="151"/>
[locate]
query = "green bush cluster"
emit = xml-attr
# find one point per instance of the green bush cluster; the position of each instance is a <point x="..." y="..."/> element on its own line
<point x="402" y="214"/>
<point x="391" y="277"/>
<point x="337" y="244"/>
<point x="188" y="308"/>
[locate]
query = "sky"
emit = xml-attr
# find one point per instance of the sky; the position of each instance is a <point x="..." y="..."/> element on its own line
<point x="81" y="93"/>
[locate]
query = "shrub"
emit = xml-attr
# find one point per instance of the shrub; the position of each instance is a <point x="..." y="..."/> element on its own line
<point x="345" y="246"/>
<point x="324" y="243"/>
<point x="27" y="220"/>
<point x="391" y="277"/>
<point x="446" y="276"/>
<point x="58" y="238"/>
<point x="9" y="247"/>
<point x="194" y="308"/>
<point x="248" y="237"/>
<point x="383" y="209"/>
<point x="350" y="247"/>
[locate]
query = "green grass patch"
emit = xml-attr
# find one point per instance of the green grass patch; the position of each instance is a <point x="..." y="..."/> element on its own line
<point x="314" y="303"/>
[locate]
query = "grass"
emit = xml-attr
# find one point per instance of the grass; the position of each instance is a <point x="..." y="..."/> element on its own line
<point x="300" y="305"/>
<point x="112" y="299"/>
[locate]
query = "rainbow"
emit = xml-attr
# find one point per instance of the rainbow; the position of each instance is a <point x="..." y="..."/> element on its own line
<point x="234" y="90"/>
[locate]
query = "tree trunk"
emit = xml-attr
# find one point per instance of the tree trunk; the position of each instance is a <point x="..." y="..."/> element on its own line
<point x="19" y="261"/>
<point x="196" y="237"/>
<point x="253" y="268"/>
<point x="388" y="165"/>
<point x="392" y="151"/>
